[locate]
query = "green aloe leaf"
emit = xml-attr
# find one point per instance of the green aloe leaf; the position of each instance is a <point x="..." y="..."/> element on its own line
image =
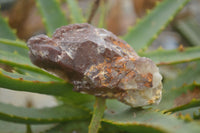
<point x="75" y="11"/>
<point x="7" y="39"/>
<point x="16" y="43"/>
<point x="156" y="20"/>
<point x="193" y="103"/>
<point x="43" y="84"/>
<point x="10" y="127"/>
<point x="80" y="126"/>
<point x="34" y="72"/>
<point x="190" y="29"/>
<point x="56" y="114"/>
<point x="6" y="32"/>
<point x="53" y="17"/>
<point x="19" y="82"/>
<point x="196" y="115"/>
<point x="169" y="96"/>
<point x="187" y="76"/>
<point x="125" y="115"/>
<point x="166" y="57"/>
<point x="13" y="47"/>
<point x="14" y="57"/>
<point x="20" y="61"/>
<point x="129" y="128"/>
<point x="186" y="83"/>
<point x="26" y="76"/>
<point x="121" y="115"/>
<point x="23" y="65"/>
<point x="189" y="114"/>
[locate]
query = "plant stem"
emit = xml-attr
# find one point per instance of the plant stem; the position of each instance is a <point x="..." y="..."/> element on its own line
<point x="98" y="112"/>
<point x="93" y="10"/>
<point x="28" y="128"/>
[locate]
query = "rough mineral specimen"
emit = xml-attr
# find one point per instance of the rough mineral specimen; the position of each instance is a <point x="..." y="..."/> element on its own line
<point x="97" y="62"/>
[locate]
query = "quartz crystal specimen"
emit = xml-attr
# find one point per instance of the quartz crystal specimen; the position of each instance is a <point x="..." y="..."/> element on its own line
<point x="97" y="62"/>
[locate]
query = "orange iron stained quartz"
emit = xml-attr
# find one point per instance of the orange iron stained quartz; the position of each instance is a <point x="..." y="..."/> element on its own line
<point x="97" y="62"/>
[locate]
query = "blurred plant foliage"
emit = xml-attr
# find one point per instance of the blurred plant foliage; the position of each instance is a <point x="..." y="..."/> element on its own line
<point x="178" y="111"/>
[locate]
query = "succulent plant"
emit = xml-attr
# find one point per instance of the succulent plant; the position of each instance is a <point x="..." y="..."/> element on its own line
<point x="75" y="109"/>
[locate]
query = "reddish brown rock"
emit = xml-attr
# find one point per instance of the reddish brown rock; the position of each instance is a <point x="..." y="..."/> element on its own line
<point x="97" y="62"/>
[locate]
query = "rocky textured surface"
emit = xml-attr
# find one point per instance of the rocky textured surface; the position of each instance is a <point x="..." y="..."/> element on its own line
<point x="97" y="62"/>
